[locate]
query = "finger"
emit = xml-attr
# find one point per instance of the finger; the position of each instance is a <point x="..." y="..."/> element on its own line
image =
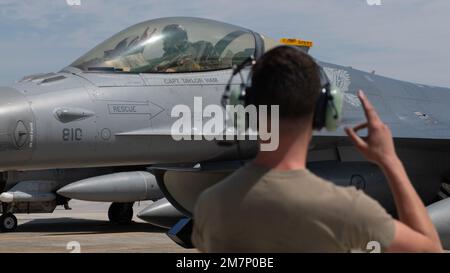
<point x="360" y="126"/>
<point x="369" y="110"/>
<point x="357" y="141"/>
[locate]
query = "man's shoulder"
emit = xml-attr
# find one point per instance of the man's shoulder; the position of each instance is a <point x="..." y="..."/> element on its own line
<point x="323" y="192"/>
<point x="228" y="186"/>
<point x="306" y="188"/>
<point x="347" y="200"/>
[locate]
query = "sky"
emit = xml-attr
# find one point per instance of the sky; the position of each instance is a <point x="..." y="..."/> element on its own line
<point x="402" y="39"/>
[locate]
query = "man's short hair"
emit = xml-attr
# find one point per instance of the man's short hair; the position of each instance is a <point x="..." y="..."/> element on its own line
<point x="287" y="77"/>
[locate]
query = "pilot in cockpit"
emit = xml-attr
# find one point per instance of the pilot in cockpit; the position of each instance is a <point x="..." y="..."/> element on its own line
<point x="179" y="53"/>
<point x="161" y="50"/>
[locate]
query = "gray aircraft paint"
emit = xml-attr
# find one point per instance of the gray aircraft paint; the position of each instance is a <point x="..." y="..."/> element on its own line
<point x="119" y="187"/>
<point x="31" y="186"/>
<point x="106" y="138"/>
<point x="439" y="213"/>
<point x="161" y="213"/>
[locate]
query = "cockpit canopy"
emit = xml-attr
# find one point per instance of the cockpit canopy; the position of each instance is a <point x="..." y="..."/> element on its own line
<point x="177" y="44"/>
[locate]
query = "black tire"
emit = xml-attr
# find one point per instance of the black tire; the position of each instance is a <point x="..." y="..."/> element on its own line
<point x="121" y="213"/>
<point x="8" y="222"/>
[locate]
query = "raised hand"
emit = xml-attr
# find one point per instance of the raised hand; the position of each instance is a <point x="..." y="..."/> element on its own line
<point x="378" y="146"/>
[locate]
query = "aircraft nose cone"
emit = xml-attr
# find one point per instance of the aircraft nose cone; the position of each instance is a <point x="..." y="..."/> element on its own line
<point x="71" y="190"/>
<point x="16" y="128"/>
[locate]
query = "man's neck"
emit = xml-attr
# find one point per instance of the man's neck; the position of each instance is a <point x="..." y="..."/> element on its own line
<point x="292" y="150"/>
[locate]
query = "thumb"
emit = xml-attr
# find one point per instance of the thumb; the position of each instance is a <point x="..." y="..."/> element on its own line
<point x="357" y="141"/>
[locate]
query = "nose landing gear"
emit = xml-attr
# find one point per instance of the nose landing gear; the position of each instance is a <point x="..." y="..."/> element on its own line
<point x="8" y="222"/>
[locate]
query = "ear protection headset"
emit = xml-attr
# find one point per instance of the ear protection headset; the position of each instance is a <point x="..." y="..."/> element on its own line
<point x="328" y="110"/>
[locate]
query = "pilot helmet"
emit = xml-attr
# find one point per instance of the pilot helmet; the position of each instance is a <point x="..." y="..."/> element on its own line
<point x="175" y="37"/>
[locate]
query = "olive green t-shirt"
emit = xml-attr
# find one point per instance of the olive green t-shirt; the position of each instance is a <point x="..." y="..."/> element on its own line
<point x="256" y="209"/>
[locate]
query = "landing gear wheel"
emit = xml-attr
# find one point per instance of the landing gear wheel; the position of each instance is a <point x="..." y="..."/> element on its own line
<point x="120" y="213"/>
<point x="8" y="222"/>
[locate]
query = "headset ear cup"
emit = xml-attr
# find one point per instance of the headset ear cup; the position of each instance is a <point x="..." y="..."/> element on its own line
<point x="334" y="109"/>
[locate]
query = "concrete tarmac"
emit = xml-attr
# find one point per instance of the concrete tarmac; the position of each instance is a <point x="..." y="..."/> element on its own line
<point x="85" y="228"/>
